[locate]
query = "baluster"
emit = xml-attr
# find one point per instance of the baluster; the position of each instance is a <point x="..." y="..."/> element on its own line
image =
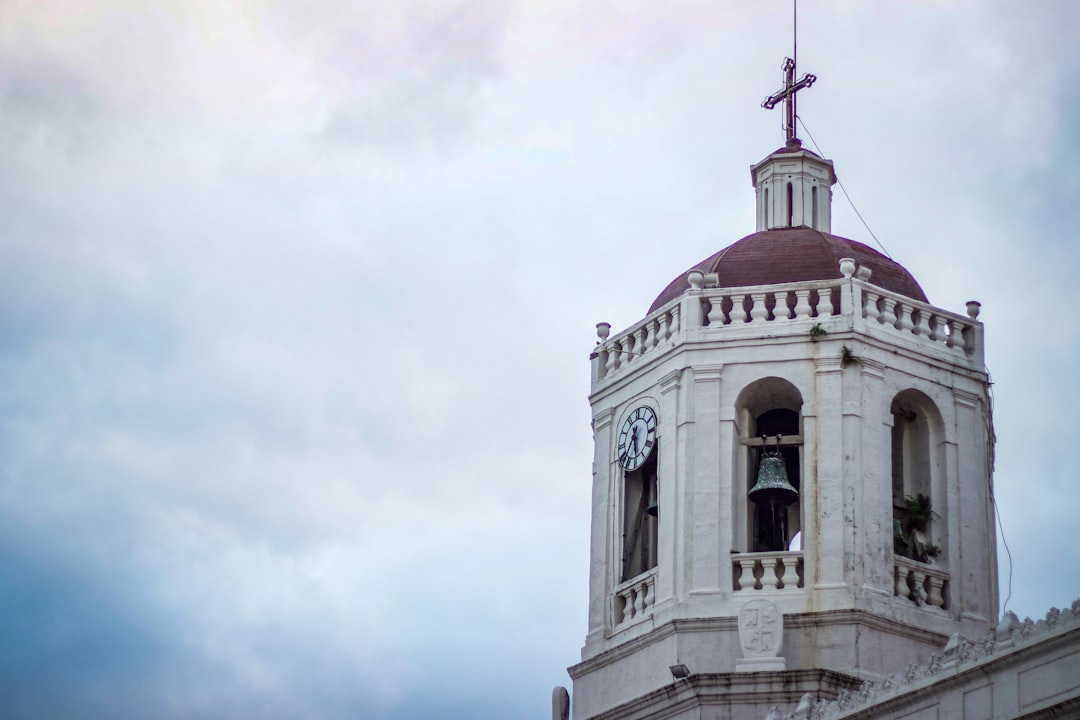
<point x="773" y="573"/>
<point x="802" y="304"/>
<point x="937" y="329"/>
<point x="870" y="309"/>
<point x="902" y="589"/>
<point x="650" y="590"/>
<point x="922" y="327"/>
<point x="739" y="568"/>
<point x="639" y="600"/>
<point x="954" y="333"/>
<point x="759" y="575"/>
<point x="935" y="597"/>
<point x="780" y="310"/>
<point x="602" y="361"/>
<point x="612" y="357"/>
<point x="738" y="309"/>
<point x="716" y="311"/>
<point x="919" y="590"/>
<point x="888" y="312"/>
<point x="640" y="337"/>
<point x="824" y="301"/>
<point x="790" y="571"/>
<point x="780" y="568"/>
<point x="903" y="319"/>
<point x="758" y="311"/>
<point x="626" y="356"/>
<point x="747" y="581"/>
<point x="673" y="329"/>
<point x="663" y="333"/>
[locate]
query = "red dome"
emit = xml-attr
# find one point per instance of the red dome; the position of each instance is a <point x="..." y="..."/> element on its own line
<point x="799" y="254"/>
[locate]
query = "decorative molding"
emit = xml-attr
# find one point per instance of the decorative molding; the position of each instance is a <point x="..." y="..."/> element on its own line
<point x="966" y="399"/>
<point x="828" y="365"/>
<point x="602" y="418"/>
<point x="670" y="381"/>
<point x="959" y="653"/>
<point x="707" y="373"/>
<point x="873" y="368"/>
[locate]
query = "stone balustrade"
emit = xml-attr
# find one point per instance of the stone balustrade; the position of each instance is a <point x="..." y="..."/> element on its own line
<point x="653" y="332"/>
<point x="634" y="599"/>
<point x="880" y="307"/>
<point x="921" y="583"/>
<point x="767" y="570"/>
<point x="816" y="309"/>
<point x="741" y="306"/>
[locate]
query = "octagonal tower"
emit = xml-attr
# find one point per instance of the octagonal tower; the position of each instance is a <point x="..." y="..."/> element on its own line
<point x="876" y="403"/>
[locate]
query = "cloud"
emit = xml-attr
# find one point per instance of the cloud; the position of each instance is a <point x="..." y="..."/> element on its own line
<point x="295" y="312"/>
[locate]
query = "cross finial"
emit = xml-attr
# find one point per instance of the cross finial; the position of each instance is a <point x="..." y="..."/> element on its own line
<point x="787" y="94"/>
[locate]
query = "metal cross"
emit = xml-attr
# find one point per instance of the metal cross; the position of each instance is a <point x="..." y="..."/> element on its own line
<point x="788" y="96"/>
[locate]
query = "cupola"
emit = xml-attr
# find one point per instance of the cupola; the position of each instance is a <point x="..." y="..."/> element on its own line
<point x="794" y="189"/>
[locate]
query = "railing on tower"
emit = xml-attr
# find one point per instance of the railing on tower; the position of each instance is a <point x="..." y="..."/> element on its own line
<point x="705" y="312"/>
<point x="634" y="599"/>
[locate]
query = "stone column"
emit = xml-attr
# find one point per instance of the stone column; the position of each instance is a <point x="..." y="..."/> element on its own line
<point x="599" y="544"/>
<point x="671" y="483"/>
<point x="975" y="529"/>
<point x="870" y="446"/>
<point x="823" y="446"/>
<point x="703" y="487"/>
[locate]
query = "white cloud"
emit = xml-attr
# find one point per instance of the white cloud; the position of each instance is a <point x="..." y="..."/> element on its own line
<point x="301" y="426"/>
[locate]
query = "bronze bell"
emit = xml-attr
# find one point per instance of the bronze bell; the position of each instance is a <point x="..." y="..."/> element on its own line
<point x="772" y="486"/>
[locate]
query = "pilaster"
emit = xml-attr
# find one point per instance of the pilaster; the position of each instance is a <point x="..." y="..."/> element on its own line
<point x="703" y="495"/>
<point x="829" y="543"/>
<point x="598" y="543"/>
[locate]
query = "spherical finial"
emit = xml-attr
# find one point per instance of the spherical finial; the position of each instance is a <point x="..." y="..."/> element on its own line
<point x="847" y="267"/>
<point x="603" y="329"/>
<point x="973" y="308"/>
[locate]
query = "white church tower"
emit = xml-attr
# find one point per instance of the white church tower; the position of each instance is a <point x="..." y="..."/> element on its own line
<point x="791" y="478"/>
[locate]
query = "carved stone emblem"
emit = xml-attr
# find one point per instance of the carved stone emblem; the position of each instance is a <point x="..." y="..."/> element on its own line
<point x="761" y="635"/>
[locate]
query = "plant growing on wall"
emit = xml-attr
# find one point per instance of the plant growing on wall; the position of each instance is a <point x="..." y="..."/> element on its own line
<point x="914" y="519"/>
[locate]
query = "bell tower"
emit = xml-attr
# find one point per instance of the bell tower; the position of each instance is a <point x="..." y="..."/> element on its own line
<point x="791" y="475"/>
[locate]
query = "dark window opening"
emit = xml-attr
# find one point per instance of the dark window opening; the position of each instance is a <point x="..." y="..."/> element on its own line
<point x="640" y="511"/>
<point x="774" y="527"/>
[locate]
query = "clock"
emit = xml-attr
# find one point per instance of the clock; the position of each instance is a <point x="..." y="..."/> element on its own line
<point x="637" y="437"/>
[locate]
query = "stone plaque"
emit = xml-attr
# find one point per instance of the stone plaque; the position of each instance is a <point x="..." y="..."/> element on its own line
<point x="761" y="635"/>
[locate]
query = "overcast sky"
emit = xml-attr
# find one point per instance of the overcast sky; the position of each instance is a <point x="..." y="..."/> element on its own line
<point x="296" y="302"/>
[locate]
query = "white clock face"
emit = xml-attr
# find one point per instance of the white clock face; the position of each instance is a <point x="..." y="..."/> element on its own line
<point x="637" y="437"/>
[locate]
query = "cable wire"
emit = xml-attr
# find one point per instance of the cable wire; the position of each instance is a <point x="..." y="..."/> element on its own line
<point x="844" y="189"/>
<point x="991" y="440"/>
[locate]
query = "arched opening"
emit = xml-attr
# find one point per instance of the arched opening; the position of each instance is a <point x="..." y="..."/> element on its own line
<point x="640" y="513"/>
<point x="771" y="407"/>
<point x="918" y="487"/>
<point x="814" y="208"/>
<point x="766" y="210"/>
<point x="790" y="204"/>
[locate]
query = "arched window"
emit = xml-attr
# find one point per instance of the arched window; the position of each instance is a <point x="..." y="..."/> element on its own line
<point x="918" y="492"/>
<point x="790" y="204"/>
<point x="767" y="213"/>
<point x="813" y="208"/>
<point x="771" y="407"/>
<point x="639" y="519"/>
